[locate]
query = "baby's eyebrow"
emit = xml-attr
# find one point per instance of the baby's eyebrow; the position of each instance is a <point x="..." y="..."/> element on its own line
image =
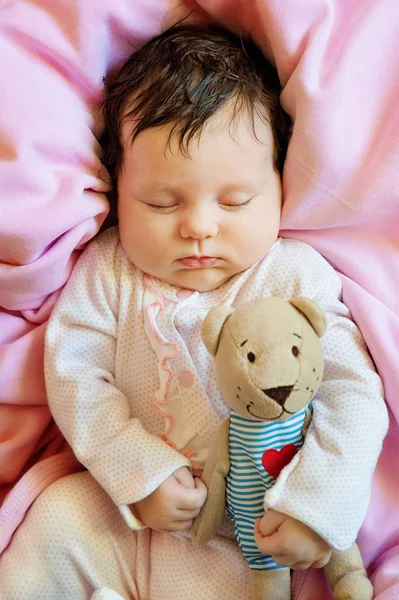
<point x="155" y="190"/>
<point x="240" y="186"/>
<point x="243" y="343"/>
<point x="164" y="189"/>
<point x="298" y="336"/>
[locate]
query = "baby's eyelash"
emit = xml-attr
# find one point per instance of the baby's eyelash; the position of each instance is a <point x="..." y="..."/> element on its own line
<point x="236" y="206"/>
<point x="158" y="208"/>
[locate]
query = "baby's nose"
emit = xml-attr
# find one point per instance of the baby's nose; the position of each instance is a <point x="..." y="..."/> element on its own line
<point x="199" y="225"/>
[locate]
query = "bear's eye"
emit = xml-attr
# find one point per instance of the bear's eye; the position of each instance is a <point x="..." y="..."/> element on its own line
<point x="251" y="357"/>
<point x="295" y="351"/>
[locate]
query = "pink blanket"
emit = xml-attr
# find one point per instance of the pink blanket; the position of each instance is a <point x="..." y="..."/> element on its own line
<point x="338" y="63"/>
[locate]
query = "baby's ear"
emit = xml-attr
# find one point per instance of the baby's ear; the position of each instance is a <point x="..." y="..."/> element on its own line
<point x="213" y="325"/>
<point x="312" y="311"/>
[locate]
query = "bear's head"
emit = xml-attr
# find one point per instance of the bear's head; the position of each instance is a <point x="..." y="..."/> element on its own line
<point x="268" y="356"/>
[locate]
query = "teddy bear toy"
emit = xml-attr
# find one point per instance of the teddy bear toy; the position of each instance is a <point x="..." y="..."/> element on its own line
<point x="269" y="365"/>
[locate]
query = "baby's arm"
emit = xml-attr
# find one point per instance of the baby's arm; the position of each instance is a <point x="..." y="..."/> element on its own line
<point x="93" y="414"/>
<point x="327" y="486"/>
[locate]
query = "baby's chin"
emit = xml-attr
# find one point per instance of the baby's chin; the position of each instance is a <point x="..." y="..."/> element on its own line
<point x="200" y="280"/>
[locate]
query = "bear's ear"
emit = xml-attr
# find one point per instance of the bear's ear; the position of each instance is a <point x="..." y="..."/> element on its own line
<point x="213" y="325"/>
<point x="312" y="311"/>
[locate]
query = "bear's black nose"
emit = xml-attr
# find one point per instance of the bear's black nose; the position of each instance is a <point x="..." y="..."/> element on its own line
<point x="279" y="394"/>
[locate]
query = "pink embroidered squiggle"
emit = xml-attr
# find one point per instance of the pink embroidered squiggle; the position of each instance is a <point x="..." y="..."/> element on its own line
<point x="164" y="364"/>
<point x="168" y="417"/>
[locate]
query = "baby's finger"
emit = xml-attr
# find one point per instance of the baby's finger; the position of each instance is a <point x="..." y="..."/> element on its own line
<point x="186" y="515"/>
<point x="286" y="560"/>
<point x="260" y="540"/>
<point x="321" y="563"/>
<point x="268" y="544"/>
<point x="181" y="525"/>
<point x="191" y="499"/>
<point x="270" y="522"/>
<point x="184" y="477"/>
<point x="283" y="560"/>
<point x="301" y="566"/>
<point x="300" y="561"/>
<point x="257" y="527"/>
<point x="200" y="485"/>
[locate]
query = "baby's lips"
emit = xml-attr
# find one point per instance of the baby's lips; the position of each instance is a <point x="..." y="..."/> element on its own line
<point x="198" y="262"/>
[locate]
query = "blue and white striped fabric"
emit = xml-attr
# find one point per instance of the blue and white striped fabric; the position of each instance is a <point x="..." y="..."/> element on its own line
<point x="248" y="481"/>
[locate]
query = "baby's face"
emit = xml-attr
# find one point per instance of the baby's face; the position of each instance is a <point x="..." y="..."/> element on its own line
<point x="196" y="221"/>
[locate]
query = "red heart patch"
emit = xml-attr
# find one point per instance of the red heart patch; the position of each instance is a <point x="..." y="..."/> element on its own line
<point x="274" y="461"/>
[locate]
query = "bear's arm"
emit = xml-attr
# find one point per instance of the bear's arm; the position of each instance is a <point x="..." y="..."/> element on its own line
<point x="214" y="476"/>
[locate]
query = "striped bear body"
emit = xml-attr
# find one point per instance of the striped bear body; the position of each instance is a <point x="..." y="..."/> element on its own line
<point x="247" y="481"/>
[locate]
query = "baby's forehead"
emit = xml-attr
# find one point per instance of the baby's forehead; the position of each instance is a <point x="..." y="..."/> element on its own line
<point x="174" y="137"/>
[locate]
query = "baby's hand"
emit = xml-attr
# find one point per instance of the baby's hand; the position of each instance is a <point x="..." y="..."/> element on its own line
<point x="174" y="504"/>
<point x="290" y="542"/>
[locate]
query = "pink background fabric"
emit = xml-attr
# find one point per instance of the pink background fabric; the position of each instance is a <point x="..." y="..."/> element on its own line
<point x="337" y="60"/>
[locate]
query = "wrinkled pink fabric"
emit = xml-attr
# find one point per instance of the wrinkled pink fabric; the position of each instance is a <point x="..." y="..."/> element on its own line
<point x="338" y="63"/>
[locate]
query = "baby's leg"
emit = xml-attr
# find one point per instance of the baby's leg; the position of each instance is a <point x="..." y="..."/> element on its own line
<point x="181" y="571"/>
<point x="72" y="542"/>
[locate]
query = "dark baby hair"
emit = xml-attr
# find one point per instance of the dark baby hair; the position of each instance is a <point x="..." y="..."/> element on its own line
<point x="183" y="77"/>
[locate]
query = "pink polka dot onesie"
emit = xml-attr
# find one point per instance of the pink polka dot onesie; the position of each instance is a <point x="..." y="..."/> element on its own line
<point x="133" y="390"/>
